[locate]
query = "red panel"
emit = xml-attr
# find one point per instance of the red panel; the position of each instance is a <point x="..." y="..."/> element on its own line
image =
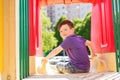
<point x="104" y="40"/>
<point x="37" y="21"/>
<point x="102" y="25"/>
<point x="38" y="30"/>
<point x="68" y="1"/>
<point x="93" y="1"/>
<point x="85" y="1"/>
<point x="90" y="1"/>
<point x="76" y="1"/>
<point x="59" y="1"/>
<point x="31" y="29"/>
<point x="95" y="28"/>
<point x="50" y="2"/>
<point x="109" y="25"/>
<point x="43" y="2"/>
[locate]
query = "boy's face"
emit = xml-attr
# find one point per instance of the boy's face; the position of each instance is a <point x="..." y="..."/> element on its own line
<point x="65" y="31"/>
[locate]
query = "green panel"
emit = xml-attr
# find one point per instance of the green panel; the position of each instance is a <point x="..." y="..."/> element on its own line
<point x="21" y="39"/>
<point x="24" y="42"/>
<point x="116" y="19"/>
<point x="26" y="37"/>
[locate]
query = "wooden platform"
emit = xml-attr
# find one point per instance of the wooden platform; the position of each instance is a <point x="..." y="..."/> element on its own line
<point x="80" y="76"/>
<point x="52" y="74"/>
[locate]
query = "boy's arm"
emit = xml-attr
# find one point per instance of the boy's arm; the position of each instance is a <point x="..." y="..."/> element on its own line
<point x="54" y="52"/>
<point x="90" y="46"/>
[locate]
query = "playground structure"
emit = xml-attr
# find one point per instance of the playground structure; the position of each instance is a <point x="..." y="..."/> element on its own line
<point x="20" y="35"/>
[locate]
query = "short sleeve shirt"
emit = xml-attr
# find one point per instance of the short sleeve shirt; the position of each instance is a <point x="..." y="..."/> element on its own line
<point x="76" y="50"/>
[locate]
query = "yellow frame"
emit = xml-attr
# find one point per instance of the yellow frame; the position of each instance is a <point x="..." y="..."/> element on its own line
<point x="1" y="36"/>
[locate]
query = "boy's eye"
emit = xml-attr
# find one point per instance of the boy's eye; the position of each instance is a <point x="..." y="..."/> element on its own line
<point x="65" y="29"/>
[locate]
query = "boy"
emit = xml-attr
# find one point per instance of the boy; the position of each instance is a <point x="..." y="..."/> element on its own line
<point x="75" y="47"/>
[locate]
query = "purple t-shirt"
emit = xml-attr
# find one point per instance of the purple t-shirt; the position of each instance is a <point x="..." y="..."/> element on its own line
<point x="76" y="50"/>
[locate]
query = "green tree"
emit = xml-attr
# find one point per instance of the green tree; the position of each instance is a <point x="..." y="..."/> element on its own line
<point x="78" y="24"/>
<point x="82" y="27"/>
<point x="87" y="27"/>
<point x="48" y="39"/>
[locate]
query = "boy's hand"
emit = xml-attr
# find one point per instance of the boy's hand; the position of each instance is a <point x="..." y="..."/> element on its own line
<point x="42" y="69"/>
<point x="44" y="60"/>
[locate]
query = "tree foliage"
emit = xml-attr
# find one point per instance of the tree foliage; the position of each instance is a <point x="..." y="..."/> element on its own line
<point x="82" y="27"/>
<point x="48" y="39"/>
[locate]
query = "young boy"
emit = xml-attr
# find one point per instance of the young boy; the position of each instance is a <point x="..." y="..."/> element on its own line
<point x="75" y="47"/>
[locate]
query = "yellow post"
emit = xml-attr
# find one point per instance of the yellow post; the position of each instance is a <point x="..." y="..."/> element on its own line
<point x="1" y="36"/>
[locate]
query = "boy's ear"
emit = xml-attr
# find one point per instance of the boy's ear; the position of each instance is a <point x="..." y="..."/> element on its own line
<point x="73" y="29"/>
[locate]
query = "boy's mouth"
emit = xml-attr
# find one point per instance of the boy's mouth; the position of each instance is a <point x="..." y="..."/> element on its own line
<point x="64" y="34"/>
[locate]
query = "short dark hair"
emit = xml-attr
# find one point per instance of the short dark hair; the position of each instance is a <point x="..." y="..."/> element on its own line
<point x="68" y="22"/>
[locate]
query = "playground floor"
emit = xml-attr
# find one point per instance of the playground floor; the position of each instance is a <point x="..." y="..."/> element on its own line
<point x="80" y="76"/>
<point x="52" y="74"/>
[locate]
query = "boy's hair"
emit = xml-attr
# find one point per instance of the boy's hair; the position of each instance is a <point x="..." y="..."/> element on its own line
<point x="68" y="22"/>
